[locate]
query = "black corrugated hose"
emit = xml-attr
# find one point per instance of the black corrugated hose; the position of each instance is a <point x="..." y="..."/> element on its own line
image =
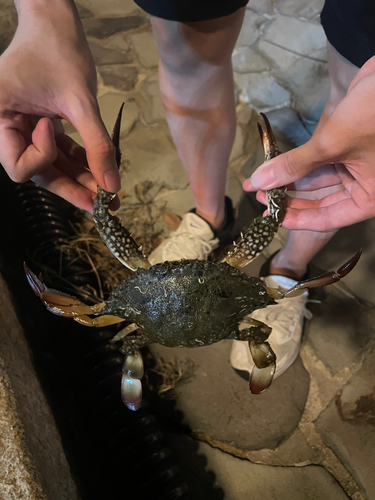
<point x="114" y="453"/>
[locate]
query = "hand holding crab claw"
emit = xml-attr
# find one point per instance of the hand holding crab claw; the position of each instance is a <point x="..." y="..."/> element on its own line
<point x="45" y="78"/>
<point x="340" y="155"/>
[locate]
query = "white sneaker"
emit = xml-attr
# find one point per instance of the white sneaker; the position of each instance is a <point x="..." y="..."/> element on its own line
<point x="286" y="320"/>
<point x="194" y="239"/>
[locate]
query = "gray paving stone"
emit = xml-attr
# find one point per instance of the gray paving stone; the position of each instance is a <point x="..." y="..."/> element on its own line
<point x="246" y="60"/>
<point x="345" y="244"/>
<point x="8" y="25"/>
<point x="155" y="109"/>
<point x="217" y="402"/>
<point x="340" y="329"/>
<point x="109" y="7"/>
<point x="249" y="32"/>
<point x="306" y="78"/>
<point x="262" y="6"/>
<point x="244" y="114"/>
<point x="176" y="201"/>
<point x="105" y="27"/>
<point x="306" y="9"/>
<point x="234" y="188"/>
<point x="348" y="425"/>
<point x="83" y="12"/>
<point x="298" y="36"/>
<point x="7" y="7"/>
<point x="311" y="85"/>
<point x="287" y="124"/>
<point x="151" y="156"/>
<point x="262" y="92"/>
<point x="241" y="479"/>
<point x="105" y="56"/>
<point x="118" y="42"/>
<point x="119" y="76"/>
<point x="145" y="48"/>
<point x="109" y="106"/>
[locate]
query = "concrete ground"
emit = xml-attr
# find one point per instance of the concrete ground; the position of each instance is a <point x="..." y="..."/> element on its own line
<point x="311" y="435"/>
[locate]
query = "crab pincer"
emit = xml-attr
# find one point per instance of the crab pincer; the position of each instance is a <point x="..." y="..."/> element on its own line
<point x="319" y="281"/>
<point x="114" y="234"/>
<point x="260" y="234"/>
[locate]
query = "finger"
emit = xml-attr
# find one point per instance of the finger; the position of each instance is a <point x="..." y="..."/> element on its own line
<point x="304" y="203"/>
<point x="59" y="183"/>
<point x="80" y="174"/>
<point x="22" y="160"/>
<point x="341" y="214"/>
<point x="287" y="167"/>
<point x="71" y="149"/>
<point x="301" y="199"/>
<point x="261" y="196"/>
<point x="100" y="150"/>
<point x="76" y="171"/>
<point x="321" y="177"/>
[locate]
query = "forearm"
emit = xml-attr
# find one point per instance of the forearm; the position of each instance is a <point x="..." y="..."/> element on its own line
<point x="54" y="25"/>
<point x="56" y="12"/>
<point x="48" y="5"/>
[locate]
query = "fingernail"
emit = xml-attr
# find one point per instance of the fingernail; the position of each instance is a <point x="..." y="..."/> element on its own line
<point x="263" y="177"/>
<point x="247" y="185"/>
<point x="51" y="128"/>
<point x="112" y="181"/>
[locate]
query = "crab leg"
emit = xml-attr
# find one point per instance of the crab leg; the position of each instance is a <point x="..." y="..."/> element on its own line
<point x="323" y="280"/>
<point x="124" y="332"/>
<point x="260" y="234"/>
<point x="131" y="385"/>
<point x="132" y="371"/>
<point x="263" y="356"/>
<point x="66" y="305"/>
<point x="116" y="237"/>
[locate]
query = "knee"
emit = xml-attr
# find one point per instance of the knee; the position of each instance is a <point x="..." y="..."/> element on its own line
<point x="190" y="48"/>
<point x="176" y="53"/>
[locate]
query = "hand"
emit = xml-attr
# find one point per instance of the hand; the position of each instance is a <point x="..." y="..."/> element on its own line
<point x="339" y="156"/>
<point x="47" y="73"/>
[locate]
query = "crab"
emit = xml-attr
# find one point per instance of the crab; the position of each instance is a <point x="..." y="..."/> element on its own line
<point x="186" y="303"/>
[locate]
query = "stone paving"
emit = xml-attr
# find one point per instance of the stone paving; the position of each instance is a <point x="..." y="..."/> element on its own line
<point x="311" y="435"/>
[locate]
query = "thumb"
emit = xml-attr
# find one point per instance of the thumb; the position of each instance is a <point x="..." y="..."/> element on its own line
<point x="286" y="168"/>
<point x="100" y="150"/>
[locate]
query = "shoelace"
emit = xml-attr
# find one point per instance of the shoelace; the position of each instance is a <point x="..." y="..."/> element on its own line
<point x="287" y="314"/>
<point x="192" y="244"/>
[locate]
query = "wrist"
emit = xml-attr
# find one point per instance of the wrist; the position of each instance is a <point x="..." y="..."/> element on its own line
<point x="44" y="8"/>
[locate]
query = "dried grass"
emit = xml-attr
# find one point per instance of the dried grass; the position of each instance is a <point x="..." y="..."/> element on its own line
<point x="139" y="218"/>
<point x="171" y="374"/>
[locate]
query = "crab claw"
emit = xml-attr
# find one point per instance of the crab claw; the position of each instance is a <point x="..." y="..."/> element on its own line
<point x="323" y="280"/>
<point x="116" y="135"/>
<point x="261" y="379"/>
<point x="264" y="366"/>
<point x="131" y="386"/>
<point x="268" y="139"/>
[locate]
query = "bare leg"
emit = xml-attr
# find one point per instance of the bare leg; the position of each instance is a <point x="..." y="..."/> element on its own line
<point x="301" y="246"/>
<point x="196" y="85"/>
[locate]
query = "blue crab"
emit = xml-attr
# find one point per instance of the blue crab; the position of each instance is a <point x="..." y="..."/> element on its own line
<point x="186" y="303"/>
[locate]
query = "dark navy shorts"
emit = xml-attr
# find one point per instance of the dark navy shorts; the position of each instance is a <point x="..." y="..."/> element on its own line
<point x="349" y="24"/>
<point x="350" y="27"/>
<point x="189" y="11"/>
